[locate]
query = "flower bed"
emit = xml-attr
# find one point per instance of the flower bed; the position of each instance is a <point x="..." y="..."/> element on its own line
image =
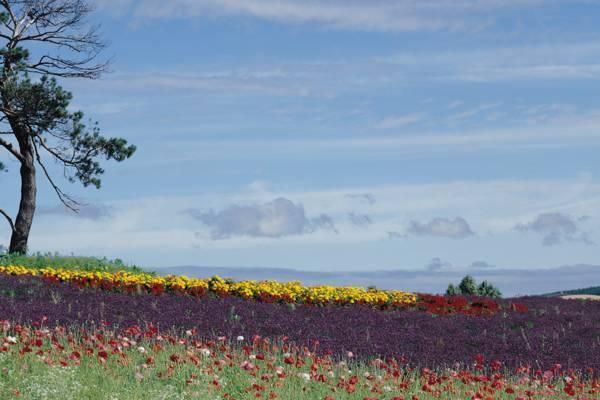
<point x="264" y="291"/>
<point x="145" y="363"/>
<point x="551" y="331"/>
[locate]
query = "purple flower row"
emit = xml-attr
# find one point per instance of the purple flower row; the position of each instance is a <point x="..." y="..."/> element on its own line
<point x="553" y="331"/>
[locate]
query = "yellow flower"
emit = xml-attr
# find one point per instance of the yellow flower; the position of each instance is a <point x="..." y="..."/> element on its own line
<point x="289" y="292"/>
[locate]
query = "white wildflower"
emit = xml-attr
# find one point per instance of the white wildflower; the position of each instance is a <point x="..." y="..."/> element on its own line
<point x="304" y="376"/>
<point x="205" y="352"/>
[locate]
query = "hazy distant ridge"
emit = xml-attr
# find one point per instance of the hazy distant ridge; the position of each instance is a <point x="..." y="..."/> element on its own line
<point x="590" y="290"/>
<point x="511" y="282"/>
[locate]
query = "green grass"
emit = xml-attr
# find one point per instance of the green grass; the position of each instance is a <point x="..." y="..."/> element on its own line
<point x="39" y="260"/>
<point x="29" y="377"/>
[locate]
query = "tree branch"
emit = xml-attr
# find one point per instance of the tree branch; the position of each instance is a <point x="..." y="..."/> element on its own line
<point x="8" y="146"/>
<point x="68" y="201"/>
<point x="8" y="8"/>
<point x="10" y="221"/>
<point x="55" y="23"/>
<point x="54" y="153"/>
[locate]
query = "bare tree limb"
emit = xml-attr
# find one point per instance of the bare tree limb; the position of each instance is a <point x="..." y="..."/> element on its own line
<point x="67" y="200"/>
<point x="6" y="5"/>
<point x="54" y="153"/>
<point x="8" y="146"/>
<point x="55" y="23"/>
<point x="10" y="221"/>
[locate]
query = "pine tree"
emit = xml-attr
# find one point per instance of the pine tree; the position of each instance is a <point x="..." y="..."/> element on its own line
<point x="452" y="290"/>
<point x="486" y="289"/>
<point x="36" y="122"/>
<point x="468" y="286"/>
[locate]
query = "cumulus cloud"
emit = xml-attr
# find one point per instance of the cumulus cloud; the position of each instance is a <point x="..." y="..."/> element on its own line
<point x="323" y="221"/>
<point x="436" y="264"/>
<point x="361" y="220"/>
<point x="557" y="228"/>
<point x="278" y="218"/>
<point x="481" y="265"/>
<point x="442" y="227"/>
<point x="88" y="211"/>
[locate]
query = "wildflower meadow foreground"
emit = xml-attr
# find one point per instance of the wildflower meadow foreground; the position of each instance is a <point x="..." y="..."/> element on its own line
<point x="75" y="334"/>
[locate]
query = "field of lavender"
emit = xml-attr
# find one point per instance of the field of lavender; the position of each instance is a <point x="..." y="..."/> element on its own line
<point x="525" y="348"/>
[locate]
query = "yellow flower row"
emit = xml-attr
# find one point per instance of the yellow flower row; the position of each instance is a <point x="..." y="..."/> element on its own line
<point x="269" y="291"/>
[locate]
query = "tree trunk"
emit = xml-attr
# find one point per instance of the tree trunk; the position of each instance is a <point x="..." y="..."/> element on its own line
<point x="20" y="235"/>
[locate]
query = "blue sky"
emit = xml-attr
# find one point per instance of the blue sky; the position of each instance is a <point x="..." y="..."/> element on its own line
<point x="340" y="135"/>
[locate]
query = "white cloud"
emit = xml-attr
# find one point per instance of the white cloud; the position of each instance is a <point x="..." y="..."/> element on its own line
<point x="442" y="227"/>
<point x="155" y="226"/>
<point x="455" y="104"/>
<point x="86" y="211"/>
<point x="330" y="77"/>
<point x="512" y="73"/>
<point x="361" y="220"/>
<point x="364" y="197"/>
<point x="374" y="15"/>
<point x="474" y="111"/>
<point x="225" y="83"/>
<point x="556" y="228"/>
<point x="274" y="219"/>
<point x="399" y="121"/>
<point x="559" y="131"/>
<point x="562" y="60"/>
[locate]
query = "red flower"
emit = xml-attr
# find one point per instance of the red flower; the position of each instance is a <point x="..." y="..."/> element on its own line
<point x="569" y="390"/>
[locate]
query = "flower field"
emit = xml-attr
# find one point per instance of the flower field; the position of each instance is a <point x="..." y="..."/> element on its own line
<point x="137" y="335"/>
<point x="266" y="291"/>
<point x="141" y="363"/>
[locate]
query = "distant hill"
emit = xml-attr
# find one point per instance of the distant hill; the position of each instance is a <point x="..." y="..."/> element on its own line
<point x="591" y="290"/>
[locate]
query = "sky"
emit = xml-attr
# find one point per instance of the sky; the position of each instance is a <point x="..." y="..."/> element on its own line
<point x="339" y="135"/>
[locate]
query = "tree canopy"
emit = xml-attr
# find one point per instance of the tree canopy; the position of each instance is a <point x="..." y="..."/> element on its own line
<point x="469" y="287"/>
<point x="42" y="41"/>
